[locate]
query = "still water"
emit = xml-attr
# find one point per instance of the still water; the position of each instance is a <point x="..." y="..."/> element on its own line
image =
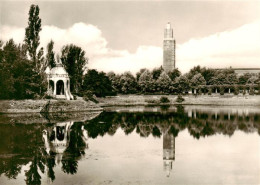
<point x="133" y="145"/>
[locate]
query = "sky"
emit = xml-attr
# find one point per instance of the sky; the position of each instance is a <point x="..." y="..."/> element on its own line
<point x="125" y="35"/>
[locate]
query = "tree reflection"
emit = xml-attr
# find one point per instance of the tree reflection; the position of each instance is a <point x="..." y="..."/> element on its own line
<point x="43" y="146"/>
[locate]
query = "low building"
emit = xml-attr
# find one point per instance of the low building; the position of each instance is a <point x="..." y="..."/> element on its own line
<point x="241" y="71"/>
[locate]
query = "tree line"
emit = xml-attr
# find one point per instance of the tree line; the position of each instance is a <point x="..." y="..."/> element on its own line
<point x="198" y="81"/>
<point x="22" y="73"/>
<point x="22" y="66"/>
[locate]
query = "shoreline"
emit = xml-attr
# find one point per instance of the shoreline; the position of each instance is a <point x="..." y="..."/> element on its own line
<point x="69" y="106"/>
<point x="217" y="100"/>
<point x="46" y="106"/>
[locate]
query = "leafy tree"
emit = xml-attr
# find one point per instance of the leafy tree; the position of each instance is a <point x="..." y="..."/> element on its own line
<point x="195" y="70"/>
<point x="74" y="61"/>
<point x="243" y="79"/>
<point x="50" y="56"/>
<point x="115" y="80"/>
<point x="7" y="57"/>
<point x="32" y="42"/>
<point x="146" y="82"/>
<point x="208" y="74"/>
<point x="98" y="83"/>
<point x="231" y="79"/>
<point x="128" y="83"/>
<point x="182" y="84"/>
<point x="138" y="74"/>
<point x="174" y="74"/>
<point x="32" y="38"/>
<point x="156" y="72"/>
<point x="219" y="79"/>
<point x="164" y="83"/>
<point x="197" y="80"/>
<point x="19" y="80"/>
<point x="252" y="80"/>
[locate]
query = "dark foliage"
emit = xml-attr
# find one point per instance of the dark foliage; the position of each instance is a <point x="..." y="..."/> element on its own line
<point x="74" y="60"/>
<point x="164" y="99"/>
<point x="98" y="83"/>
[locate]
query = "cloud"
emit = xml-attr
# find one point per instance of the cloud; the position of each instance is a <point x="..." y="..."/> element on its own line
<point x="236" y="48"/>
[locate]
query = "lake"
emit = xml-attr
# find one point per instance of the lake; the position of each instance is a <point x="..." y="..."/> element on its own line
<point x="133" y="145"/>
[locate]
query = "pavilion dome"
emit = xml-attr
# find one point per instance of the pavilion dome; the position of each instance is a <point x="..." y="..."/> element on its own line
<point x="58" y="70"/>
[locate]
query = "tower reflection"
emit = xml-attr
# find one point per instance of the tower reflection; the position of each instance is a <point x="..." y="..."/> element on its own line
<point x="168" y="152"/>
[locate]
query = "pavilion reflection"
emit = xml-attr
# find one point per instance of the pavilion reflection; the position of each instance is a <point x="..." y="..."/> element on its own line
<point x="58" y="139"/>
<point x="62" y="144"/>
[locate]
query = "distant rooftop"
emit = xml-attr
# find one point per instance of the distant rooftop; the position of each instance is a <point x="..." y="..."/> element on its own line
<point x="237" y="68"/>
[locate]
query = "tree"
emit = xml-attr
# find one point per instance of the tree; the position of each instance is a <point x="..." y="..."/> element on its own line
<point x="231" y="79"/>
<point x="6" y="76"/>
<point x="19" y="80"/>
<point x="219" y="79"/>
<point x="208" y="74"/>
<point x="98" y="83"/>
<point x="252" y="80"/>
<point x="243" y="79"/>
<point x="197" y="80"/>
<point x="164" y="83"/>
<point x="156" y="72"/>
<point x="138" y="74"/>
<point x="146" y="82"/>
<point x="50" y="56"/>
<point x="128" y="83"/>
<point x="195" y="70"/>
<point x="32" y="42"/>
<point x="32" y="38"/>
<point x="74" y="61"/>
<point x="115" y="80"/>
<point x="182" y="84"/>
<point x="174" y="74"/>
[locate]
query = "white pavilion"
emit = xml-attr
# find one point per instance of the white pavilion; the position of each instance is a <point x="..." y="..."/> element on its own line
<point x="58" y="82"/>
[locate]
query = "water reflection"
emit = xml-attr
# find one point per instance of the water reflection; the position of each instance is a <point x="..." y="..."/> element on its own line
<point x="42" y="148"/>
<point x="168" y="152"/>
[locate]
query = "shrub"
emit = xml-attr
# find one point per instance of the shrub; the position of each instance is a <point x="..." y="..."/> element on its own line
<point x="164" y="99"/>
<point x="179" y="99"/>
<point x="151" y="101"/>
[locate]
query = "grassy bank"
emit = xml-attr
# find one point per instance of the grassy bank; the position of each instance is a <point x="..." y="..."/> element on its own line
<point x="128" y="100"/>
<point x="50" y="106"/>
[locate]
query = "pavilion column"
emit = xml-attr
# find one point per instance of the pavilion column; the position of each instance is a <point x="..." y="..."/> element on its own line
<point x="64" y="87"/>
<point x="69" y="85"/>
<point x="229" y="90"/>
<point x="55" y="88"/>
<point x="48" y="85"/>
